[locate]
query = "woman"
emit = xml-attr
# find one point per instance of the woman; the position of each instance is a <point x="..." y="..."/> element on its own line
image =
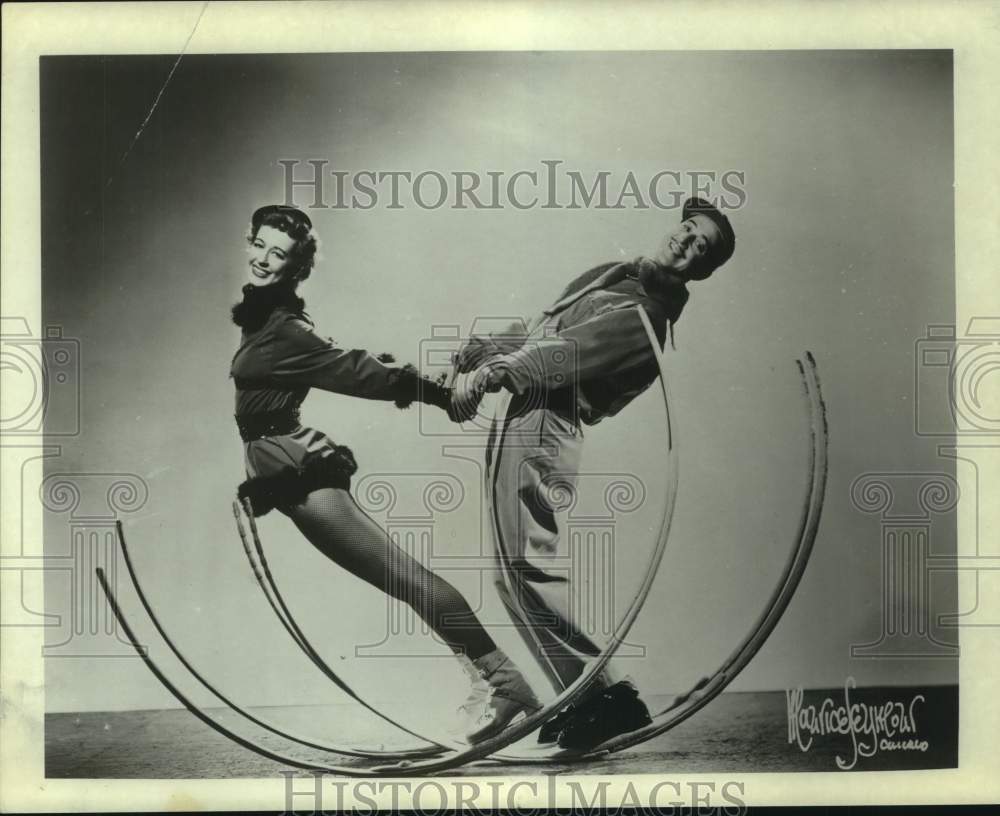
<point x="305" y="475"/>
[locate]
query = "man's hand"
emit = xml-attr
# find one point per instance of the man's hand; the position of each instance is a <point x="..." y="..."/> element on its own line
<point x="474" y="352"/>
<point x="465" y="398"/>
<point x="481" y="347"/>
<point x="488" y="378"/>
<point x="467" y="391"/>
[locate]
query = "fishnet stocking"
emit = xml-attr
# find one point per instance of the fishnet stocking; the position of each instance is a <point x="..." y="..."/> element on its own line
<point x="338" y="528"/>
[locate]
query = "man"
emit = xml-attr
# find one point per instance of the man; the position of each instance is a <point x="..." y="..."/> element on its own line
<point x="583" y="360"/>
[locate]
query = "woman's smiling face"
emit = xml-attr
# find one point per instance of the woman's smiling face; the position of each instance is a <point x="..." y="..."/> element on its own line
<point x="270" y="252"/>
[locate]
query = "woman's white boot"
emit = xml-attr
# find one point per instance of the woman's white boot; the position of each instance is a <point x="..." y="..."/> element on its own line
<point x="499" y="695"/>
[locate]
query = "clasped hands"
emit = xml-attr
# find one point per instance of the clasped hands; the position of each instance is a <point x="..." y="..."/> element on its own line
<point x="470" y="383"/>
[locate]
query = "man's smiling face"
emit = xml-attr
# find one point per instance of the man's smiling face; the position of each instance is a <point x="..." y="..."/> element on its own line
<point x="690" y="249"/>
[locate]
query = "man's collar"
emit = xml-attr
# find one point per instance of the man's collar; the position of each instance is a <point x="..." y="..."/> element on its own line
<point x="670" y="280"/>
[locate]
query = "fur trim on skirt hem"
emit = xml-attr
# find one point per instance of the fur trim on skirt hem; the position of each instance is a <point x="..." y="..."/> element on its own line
<point x="291" y="485"/>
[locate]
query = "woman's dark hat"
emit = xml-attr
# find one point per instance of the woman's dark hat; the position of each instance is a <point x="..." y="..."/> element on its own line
<point x="292" y="212"/>
<point x="698" y="206"/>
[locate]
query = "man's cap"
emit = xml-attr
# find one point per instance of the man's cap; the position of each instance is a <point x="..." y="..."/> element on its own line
<point x="292" y="212"/>
<point x="698" y="206"/>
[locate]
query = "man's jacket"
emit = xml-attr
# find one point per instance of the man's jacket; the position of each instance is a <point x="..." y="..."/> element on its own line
<point x="589" y="352"/>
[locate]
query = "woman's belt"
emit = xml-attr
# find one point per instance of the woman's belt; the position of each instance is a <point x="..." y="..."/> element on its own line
<point x="268" y="423"/>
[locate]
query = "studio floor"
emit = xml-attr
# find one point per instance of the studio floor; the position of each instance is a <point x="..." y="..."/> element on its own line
<point x="739" y="732"/>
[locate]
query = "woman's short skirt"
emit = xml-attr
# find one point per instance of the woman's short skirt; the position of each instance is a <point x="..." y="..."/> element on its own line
<point x="283" y="469"/>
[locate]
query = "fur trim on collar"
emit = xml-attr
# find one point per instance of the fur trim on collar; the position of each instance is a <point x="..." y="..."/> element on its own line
<point x="259" y="301"/>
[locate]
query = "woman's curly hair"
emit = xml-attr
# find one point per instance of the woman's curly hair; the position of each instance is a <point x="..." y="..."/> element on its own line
<point x="302" y="255"/>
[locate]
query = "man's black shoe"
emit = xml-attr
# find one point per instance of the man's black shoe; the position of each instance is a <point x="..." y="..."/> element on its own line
<point x="616" y="710"/>
<point x="548" y="734"/>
